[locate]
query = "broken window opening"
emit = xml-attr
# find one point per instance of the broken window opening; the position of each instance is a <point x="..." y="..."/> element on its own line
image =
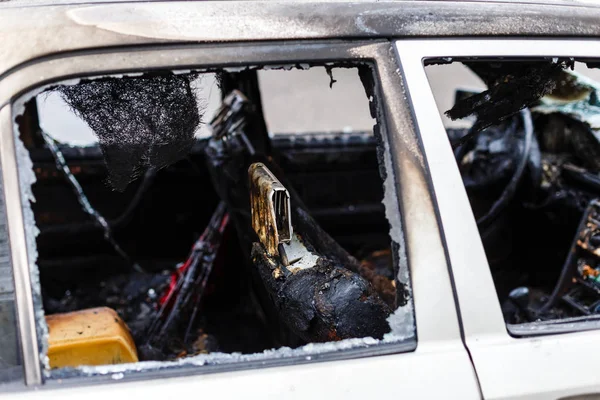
<point x="212" y="271"/>
<point x="529" y="159"/>
<point x="302" y="89"/>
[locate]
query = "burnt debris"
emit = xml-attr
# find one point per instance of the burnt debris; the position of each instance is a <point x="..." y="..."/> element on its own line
<point x="141" y="122"/>
<point x="512" y="86"/>
<point x="324" y="302"/>
<point x="181" y="301"/>
<point x="534" y="184"/>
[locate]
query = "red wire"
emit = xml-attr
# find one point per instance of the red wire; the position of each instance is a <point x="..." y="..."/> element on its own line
<point x="181" y="270"/>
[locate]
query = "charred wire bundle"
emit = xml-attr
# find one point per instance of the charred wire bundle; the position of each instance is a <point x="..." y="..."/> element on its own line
<point x="183" y="298"/>
<point x="529" y="184"/>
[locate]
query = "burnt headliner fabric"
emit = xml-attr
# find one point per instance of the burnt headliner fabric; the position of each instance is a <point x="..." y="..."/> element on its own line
<point x="140" y="122"/>
<point x="512" y="86"/>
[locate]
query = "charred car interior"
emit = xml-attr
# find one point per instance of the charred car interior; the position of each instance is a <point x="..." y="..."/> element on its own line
<point x="529" y="163"/>
<point x="155" y="243"/>
<point x="186" y="206"/>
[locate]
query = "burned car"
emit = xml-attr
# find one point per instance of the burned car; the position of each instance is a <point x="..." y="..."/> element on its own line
<point x="167" y="213"/>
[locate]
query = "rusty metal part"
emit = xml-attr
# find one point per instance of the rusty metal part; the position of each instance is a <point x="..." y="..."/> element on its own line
<point x="312" y="282"/>
<point x="229" y="118"/>
<point x="589" y="271"/>
<point x="271" y="209"/>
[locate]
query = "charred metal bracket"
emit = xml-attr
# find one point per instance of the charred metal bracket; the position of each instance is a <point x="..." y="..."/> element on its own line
<point x="271" y="210"/>
<point x="228" y="126"/>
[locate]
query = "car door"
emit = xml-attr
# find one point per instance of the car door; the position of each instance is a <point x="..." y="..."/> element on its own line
<point x="433" y="363"/>
<point x="537" y="364"/>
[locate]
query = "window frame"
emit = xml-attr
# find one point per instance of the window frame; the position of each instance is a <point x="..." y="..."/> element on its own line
<point x="462" y="240"/>
<point x="461" y="235"/>
<point x="415" y="204"/>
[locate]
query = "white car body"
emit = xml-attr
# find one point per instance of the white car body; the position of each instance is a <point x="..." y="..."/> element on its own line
<point x="463" y="349"/>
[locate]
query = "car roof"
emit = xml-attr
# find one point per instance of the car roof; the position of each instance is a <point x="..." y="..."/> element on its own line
<point x="40" y="3"/>
<point x="34" y="29"/>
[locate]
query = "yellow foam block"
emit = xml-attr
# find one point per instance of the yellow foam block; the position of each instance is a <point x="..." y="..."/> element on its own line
<point x="96" y="336"/>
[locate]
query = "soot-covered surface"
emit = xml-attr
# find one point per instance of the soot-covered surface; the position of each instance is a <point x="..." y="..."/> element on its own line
<point x="542" y="269"/>
<point x="141" y="122"/>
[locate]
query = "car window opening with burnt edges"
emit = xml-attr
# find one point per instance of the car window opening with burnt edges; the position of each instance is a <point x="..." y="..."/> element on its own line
<point x="526" y="141"/>
<point x="207" y="218"/>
